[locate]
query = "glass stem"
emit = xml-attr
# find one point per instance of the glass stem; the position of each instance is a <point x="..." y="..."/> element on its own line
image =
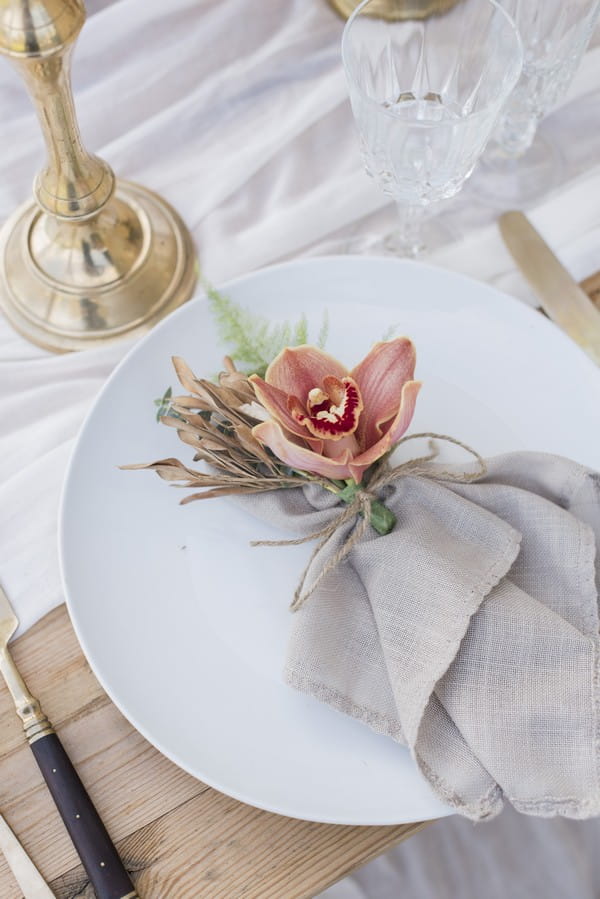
<point x="408" y="238"/>
<point x="513" y="137"/>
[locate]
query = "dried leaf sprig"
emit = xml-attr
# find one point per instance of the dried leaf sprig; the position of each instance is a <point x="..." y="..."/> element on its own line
<point x="216" y="420"/>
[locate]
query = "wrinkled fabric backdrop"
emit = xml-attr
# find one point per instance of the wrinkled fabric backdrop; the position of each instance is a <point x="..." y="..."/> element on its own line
<point x="237" y="112"/>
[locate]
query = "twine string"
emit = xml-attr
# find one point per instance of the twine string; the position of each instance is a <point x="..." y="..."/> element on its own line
<point x="360" y="507"/>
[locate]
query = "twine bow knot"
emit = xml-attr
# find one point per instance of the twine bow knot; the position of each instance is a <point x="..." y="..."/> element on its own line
<point x="362" y="503"/>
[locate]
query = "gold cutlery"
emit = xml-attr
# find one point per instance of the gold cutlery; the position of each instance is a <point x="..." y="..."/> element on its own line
<point x="96" y="850"/>
<point x="561" y="297"/>
<point x="397" y="9"/>
<point x="24" y="871"/>
<point x="591" y="286"/>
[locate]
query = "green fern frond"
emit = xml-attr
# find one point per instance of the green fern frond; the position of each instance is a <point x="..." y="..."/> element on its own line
<point x="300" y="332"/>
<point x="252" y="341"/>
<point x="323" y="331"/>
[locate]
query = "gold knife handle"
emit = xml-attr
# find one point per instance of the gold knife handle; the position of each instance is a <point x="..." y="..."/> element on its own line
<point x="35" y="722"/>
<point x="561" y="297"/>
<point x="29" y="710"/>
<point x="591" y="286"/>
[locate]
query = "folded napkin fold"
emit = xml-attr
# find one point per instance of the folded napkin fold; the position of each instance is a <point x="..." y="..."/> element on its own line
<point x="469" y="633"/>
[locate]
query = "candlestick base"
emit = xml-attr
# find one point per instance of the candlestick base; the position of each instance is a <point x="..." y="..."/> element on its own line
<point x="68" y="285"/>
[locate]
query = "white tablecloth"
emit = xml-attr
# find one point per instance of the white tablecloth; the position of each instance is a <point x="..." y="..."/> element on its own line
<point x="237" y="112"/>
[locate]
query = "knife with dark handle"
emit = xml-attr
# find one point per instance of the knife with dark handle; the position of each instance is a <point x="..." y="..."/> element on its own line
<point x="96" y="850"/>
<point x="560" y="296"/>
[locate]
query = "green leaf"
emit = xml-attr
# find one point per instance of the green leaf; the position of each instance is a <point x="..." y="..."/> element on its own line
<point x="349" y="492"/>
<point x="164" y="405"/>
<point x="382" y="518"/>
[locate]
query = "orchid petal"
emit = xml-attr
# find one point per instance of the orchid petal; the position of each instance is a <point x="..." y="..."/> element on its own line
<point x="276" y="402"/>
<point x="301" y="458"/>
<point x="380" y="377"/>
<point x="408" y="399"/>
<point x="296" y="370"/>
<point x="410" y="392"/>
<point x="334" y="449"/>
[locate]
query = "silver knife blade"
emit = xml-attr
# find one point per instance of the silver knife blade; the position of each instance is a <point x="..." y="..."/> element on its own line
<point x="25" y="872"/>
<point x="559" y="294"/>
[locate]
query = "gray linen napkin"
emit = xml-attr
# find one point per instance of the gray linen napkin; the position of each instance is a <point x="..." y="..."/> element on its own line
<point x="469" y="633"/>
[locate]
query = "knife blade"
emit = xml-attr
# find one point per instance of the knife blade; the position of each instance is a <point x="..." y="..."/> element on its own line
<point x="559" y="294"/>
<point x="25" y="872"/>
<point x="90" y="838"/>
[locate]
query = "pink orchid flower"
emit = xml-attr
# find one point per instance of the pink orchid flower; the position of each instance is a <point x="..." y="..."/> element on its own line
<point x="331" y="422"/>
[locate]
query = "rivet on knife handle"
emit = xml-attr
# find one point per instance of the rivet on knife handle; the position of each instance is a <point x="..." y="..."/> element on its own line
<point x="559" y="294"/>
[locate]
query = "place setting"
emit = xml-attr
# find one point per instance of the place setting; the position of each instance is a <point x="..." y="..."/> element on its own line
<point x="328" y="531"/>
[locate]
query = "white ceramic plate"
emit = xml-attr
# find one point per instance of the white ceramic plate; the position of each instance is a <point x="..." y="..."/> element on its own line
<point x="186" y="626"/>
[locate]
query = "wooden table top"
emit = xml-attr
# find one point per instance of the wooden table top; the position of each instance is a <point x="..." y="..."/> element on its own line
<point x="179" y="838"/>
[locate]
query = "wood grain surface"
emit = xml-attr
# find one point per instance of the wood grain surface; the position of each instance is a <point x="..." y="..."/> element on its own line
<point x="179" y="839"/>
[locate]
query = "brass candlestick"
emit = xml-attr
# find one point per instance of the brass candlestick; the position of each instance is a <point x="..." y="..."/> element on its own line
<point x="91" y="258"/>
<point x="397" y="9"/>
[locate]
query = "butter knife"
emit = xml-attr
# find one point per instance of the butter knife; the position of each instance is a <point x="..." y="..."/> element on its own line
<point x="31" y="882"/>
<point x="559" y="294"/>
<point x="96" y="850"/>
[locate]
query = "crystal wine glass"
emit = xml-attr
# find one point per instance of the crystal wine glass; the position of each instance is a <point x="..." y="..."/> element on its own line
<point x="519" y="165"/>
<point x="425" y="96"/>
